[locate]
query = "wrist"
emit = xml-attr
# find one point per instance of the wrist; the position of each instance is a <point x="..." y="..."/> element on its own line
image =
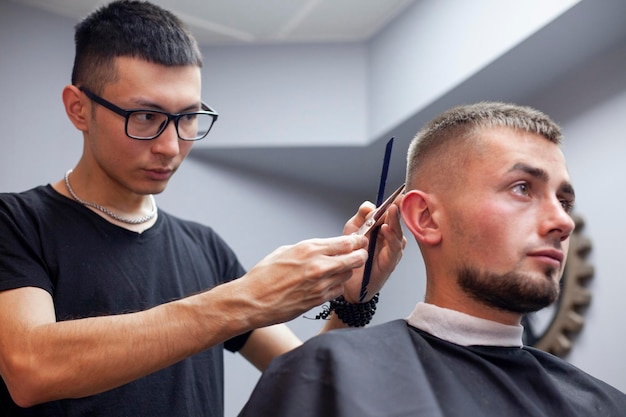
<point x="352" y="314"/>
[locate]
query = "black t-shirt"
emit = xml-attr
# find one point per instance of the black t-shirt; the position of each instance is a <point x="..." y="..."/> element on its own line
<point x="92" y="267"/>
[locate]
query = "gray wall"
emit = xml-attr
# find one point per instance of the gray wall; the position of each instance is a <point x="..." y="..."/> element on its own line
<point x="590" y="104"/>
<point x="256" y="212"/>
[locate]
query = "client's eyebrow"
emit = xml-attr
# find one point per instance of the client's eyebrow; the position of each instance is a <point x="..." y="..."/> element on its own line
<point x="533" y="171"/>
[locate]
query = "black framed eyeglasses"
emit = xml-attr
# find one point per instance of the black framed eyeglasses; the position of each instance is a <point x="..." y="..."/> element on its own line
<point x="145" y="124"/>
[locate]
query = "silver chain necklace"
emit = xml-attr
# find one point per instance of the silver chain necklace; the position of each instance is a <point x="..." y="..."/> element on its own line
<point x="108" y="212"/>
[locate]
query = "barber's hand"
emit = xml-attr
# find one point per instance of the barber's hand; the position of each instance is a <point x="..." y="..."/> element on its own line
<point x="293" y="279"/>
<point x="389" y="247"/>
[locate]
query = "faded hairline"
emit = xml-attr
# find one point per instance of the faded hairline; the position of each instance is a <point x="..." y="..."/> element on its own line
<point x="461" y="124"/>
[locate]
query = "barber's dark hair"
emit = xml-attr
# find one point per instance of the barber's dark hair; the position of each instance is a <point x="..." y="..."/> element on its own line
<point x="129" y="28"/>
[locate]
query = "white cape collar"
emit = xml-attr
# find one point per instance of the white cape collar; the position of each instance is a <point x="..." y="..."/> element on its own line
<point x="463" y="329"/>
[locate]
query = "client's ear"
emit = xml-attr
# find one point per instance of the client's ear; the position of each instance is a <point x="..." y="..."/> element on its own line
<point x="417" y="214"/>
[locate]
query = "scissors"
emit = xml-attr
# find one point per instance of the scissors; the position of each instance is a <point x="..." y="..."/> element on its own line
<point x="374" y="218"/>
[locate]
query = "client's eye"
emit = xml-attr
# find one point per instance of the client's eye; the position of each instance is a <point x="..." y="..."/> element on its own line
<point x="521" y="188"/>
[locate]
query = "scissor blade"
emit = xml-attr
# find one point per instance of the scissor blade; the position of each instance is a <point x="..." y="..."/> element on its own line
<point x="373" y="219"/>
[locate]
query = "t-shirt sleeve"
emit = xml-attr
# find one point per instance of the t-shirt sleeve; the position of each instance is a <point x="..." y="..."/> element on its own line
<point x="21" y="259"/>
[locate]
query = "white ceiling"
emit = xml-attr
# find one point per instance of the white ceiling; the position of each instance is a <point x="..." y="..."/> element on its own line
<point x="231" y="22"/>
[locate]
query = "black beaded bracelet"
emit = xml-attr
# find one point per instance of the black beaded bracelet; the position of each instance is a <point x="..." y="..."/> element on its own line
<point x="354" y="315"/>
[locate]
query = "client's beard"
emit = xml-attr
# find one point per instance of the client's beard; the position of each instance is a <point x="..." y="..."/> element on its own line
<point x="513" y="291"/>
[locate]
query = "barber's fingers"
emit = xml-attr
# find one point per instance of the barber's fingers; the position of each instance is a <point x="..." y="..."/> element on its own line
<point x="333" y="246"/>
<point x="296" y="278"/>
<point x="392" y="228"/>
<point x="313" y="260"/>
<point x="356" y="221"/>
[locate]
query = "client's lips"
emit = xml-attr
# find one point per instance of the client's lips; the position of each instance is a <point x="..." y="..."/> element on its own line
<point x="551" y="255"/>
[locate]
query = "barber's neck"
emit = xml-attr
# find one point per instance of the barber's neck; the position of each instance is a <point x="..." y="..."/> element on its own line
<point x="144" y="210"/>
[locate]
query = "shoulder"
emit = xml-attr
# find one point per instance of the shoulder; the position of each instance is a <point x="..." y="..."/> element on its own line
<point x="28" y="208"/>
<point x="350" y="346"/>
<point x="33" y="197"/>
<point x="575" y="379"/>
<point x="376" y="334"/>
<point x="550" y="361"/>
<point x="341" y="373"/>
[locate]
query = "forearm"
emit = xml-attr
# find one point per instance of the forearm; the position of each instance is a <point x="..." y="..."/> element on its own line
<point x="42" y="360"/>
<point x="82" y="357"/>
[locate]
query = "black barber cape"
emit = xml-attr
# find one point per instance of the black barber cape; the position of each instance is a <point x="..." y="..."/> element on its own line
<point x="394" y="370"/>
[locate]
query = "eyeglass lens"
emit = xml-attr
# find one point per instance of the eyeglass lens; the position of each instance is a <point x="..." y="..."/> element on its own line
<point x="146" y="125"/>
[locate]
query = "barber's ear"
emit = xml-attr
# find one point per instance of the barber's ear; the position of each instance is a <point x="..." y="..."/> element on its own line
<point x="417" y="214"/>
<point x="76" y="107"/>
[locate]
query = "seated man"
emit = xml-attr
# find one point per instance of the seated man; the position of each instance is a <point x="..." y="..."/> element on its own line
<point x="488" y="201"/>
